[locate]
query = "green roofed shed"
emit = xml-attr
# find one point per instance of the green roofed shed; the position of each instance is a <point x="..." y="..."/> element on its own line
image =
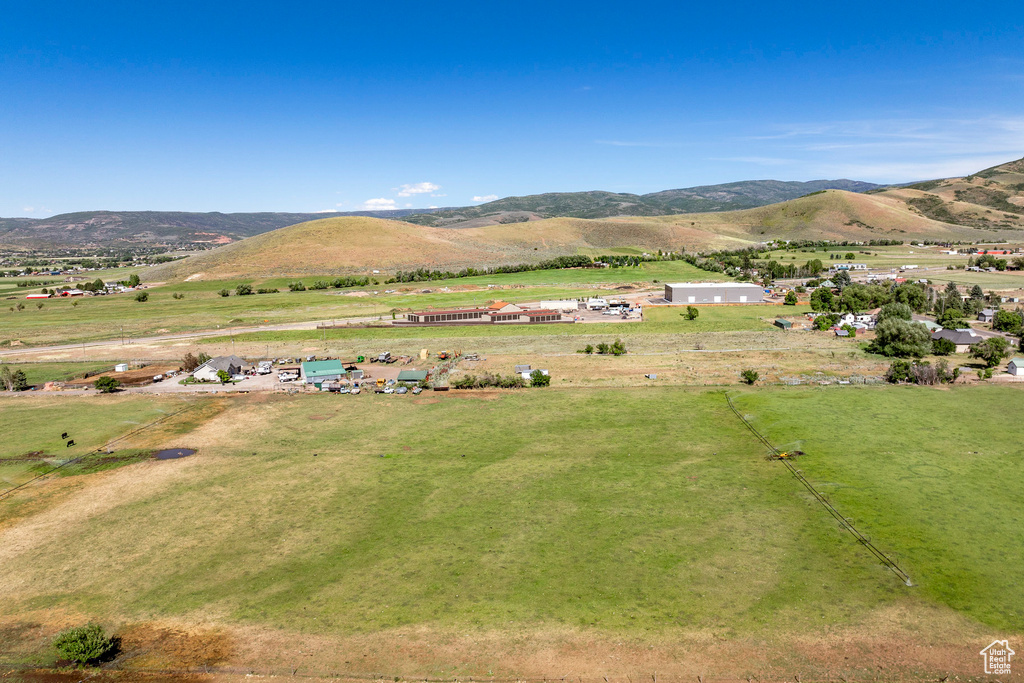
<point x="319" y="371"/>
<point x="412" y="375"/>
<point x="783" y="323"/>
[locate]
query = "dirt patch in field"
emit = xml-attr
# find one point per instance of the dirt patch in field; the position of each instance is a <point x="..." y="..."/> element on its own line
<point x="149" y="646"/>
<point x="320" y="417"/>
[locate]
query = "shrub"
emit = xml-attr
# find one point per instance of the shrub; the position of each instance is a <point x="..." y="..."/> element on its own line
<point x="749" y="376"/>
<point x="225" y="292"/>
<point x="296" y="287"/>
<point x="539" y="379"/>
<point x="142" y="296"/>
<point x="243" y="290"/>
<point x="83" y="644"/>
<point x="320" y="284"/>
<point x="107" y="385"/>
<point x="824" y="322"/>
<point x="790" y="299"/>
<point x="943" y="347"/>
<point x="691" y="313"/>
<point x="39" y="305"/>
<point x="267" y="290"/>
<point x="177" y="295"/>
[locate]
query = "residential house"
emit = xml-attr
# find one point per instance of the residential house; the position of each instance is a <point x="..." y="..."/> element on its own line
<point x="987" y="315"/>
<point x="207" y="372"/>
<point x="964" y="339"/>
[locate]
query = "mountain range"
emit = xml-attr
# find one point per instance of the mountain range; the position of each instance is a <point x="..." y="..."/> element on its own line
<point x="188" y="229"/>
<point x="984" y="207"/>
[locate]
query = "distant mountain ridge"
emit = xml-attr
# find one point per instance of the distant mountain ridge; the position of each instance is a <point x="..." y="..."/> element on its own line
<point x="171" y="228"/>
<point x="746" y="194"/>
<point x="190" y="229"/>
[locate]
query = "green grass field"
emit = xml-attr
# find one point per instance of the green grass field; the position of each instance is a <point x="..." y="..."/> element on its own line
<point x="99" y="318"/>
<point x="642" y="514"/>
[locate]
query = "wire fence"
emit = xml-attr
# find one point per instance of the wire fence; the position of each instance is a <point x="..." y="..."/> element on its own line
<point x="844" y="522"/>
<point x="106" y="445"/>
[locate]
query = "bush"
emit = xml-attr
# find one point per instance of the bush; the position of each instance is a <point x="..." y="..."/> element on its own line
<point x="142" y="296"/>
<point x="225" y="292"/>
<point x="320" y="284"/>
<point x="107" y="385"/>
<point x="84" y="644"/>
<point x="749" y="376"/>
<point x="824" y="322"/>
<point x="943" y="347"/>
<point x="539" y="379"/>
<point x="177" y="295"/>
<point x="296" y="287"/>
<point x="790" y="299"/>
<point x="243" y="290"/>
<point x="267" y="290"/>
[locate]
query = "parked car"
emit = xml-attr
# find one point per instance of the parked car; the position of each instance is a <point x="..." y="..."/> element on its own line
<point x="158" y="378"/>
<point x="388" y="390"/>
<point x="417" y="390"/>
<point x="401" y="390"/>
<point x="355" y="390"/>
<point x="238" y="378"/>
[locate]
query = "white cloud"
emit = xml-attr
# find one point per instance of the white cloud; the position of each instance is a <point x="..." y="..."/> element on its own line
<point x="326" y="211"/>
<point x="409" y="190"/>
<point x="379" y="204"/>
<point x="438" y="194"/>
<point x="28" y="209"/>
<point x="431" y="207"/>
<point x="485" y="198"/>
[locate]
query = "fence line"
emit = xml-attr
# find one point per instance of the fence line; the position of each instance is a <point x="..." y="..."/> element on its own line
<point x="844" y="522"/>
<point x="4" y="494"/>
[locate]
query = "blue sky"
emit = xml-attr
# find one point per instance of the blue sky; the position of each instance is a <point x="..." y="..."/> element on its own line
<point x="319" y="107"/>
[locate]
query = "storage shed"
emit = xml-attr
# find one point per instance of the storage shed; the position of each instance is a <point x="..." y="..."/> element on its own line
<point x="412" y="376"/>
<point x="1016" y="367"/>
<point x="319" y="371"/>
<point x="713" y="293"/>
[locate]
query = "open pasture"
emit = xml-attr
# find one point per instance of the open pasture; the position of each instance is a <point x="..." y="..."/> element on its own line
<point x="561" y="519"/>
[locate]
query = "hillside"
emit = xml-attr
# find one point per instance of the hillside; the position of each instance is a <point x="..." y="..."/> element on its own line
<point x="359" y="245"/>
<point x="991" y="200"/>
<point x="171" y="228"/>
<point x="598" y="204"/>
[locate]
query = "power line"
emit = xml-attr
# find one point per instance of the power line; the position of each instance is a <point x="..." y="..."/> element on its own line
<point x="9" y="491"/>
<point x="844" y="522"/>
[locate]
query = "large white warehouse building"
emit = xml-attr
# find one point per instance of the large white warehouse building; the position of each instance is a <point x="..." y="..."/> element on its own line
<point x="714" y="293"/>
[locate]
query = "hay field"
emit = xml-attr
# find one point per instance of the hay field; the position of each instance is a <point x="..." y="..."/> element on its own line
<point x="542" y="532"/>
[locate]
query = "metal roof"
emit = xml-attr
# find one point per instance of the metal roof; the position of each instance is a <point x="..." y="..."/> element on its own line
<point x="412" y="375"/>
<point x="323" y="368"/>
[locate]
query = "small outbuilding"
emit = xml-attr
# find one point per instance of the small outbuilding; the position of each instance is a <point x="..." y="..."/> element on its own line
<point x="1016" y="367"/>
<point x="317" y="372"/>
<point x="987" y="315"/>
<point x="412" y="376"/>
<point x="783" y="323"/>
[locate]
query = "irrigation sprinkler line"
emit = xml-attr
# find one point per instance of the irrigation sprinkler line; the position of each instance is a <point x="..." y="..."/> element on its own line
<point x="4" y="494"/>
<point x="844" y="522"/>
